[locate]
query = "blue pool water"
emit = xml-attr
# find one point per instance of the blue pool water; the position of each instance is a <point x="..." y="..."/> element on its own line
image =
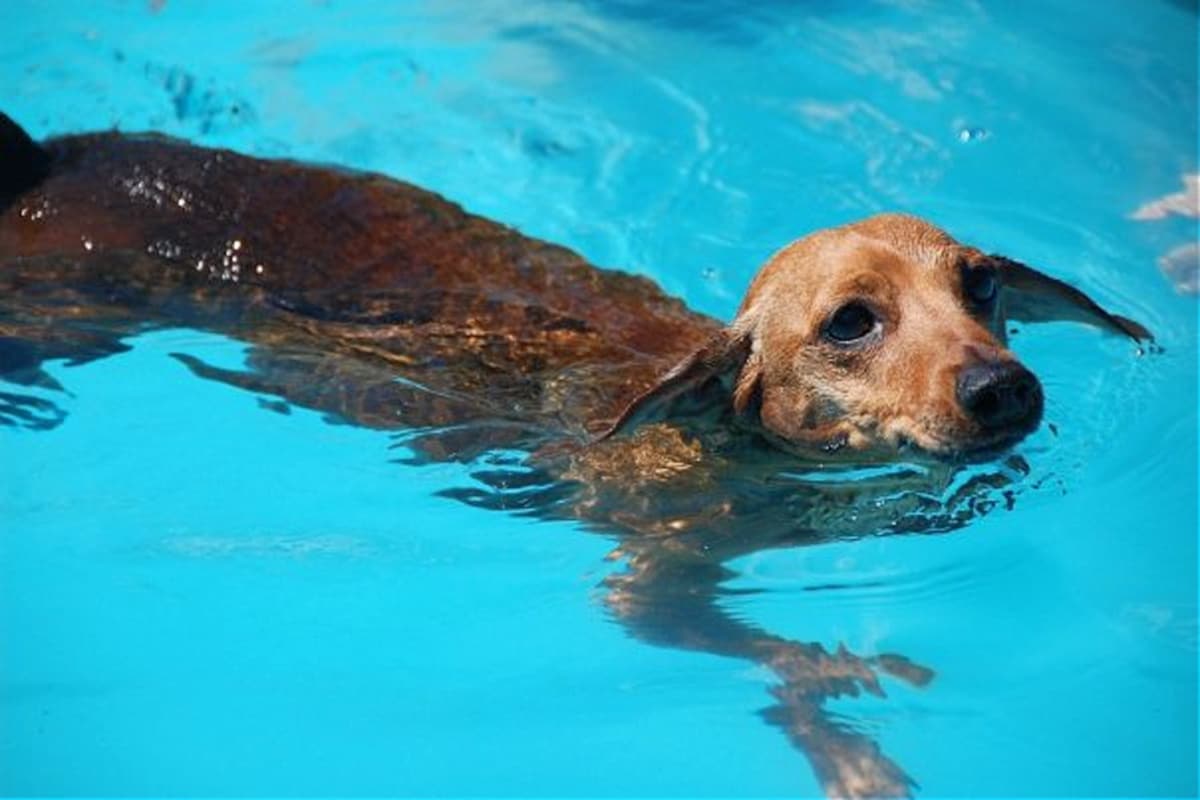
<point x="199" y="596"/>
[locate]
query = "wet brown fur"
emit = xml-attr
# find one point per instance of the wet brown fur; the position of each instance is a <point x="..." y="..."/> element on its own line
<point x="387" y="306"/>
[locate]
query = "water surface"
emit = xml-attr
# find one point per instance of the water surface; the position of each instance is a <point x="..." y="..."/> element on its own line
<point x="201" y="595"/>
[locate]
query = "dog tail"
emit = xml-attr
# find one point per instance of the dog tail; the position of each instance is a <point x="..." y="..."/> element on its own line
<point x="23" y="162"/>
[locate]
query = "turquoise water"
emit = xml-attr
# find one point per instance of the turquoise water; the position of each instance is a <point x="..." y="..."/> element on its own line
<point x="199" y="596"/>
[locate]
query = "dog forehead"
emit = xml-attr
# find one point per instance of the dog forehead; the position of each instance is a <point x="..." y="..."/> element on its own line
<point x="880" y="251"/>
<point x="904" y="233"/>
<point x="898" y="246"/>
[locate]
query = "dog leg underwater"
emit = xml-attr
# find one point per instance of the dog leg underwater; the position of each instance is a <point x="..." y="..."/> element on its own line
<point x="673" y="601"/>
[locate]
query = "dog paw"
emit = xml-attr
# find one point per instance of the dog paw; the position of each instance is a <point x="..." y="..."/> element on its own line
<point x="901" y="667"/>
<point x="861" y="771"/>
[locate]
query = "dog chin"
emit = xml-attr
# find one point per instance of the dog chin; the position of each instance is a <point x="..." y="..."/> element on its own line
<point x="971" y="451"/>
<point x="862" y="450"/>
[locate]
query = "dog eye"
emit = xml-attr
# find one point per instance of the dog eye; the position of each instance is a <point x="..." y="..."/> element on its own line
<point x="980" y="285"/>
<point x="850" y="322"/>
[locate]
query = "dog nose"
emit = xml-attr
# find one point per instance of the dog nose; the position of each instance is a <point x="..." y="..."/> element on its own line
<point x="1000" y="394"/>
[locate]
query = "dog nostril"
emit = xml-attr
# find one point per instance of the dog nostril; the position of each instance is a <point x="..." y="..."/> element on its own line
<point x="1021" y="396"/>
<point x="986" y="404"/>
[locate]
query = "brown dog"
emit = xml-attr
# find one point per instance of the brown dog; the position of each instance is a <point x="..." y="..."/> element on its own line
<point x="387" y="306"/>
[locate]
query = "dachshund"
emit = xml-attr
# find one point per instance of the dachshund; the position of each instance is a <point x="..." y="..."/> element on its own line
<point x="384" y="305"/>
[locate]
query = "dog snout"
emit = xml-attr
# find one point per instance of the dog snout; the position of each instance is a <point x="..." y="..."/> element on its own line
<point x="1000" y="395"/>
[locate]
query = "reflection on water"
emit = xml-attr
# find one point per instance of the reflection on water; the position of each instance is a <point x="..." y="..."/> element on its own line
<point x="675" y="538"/>
<point x="676" y="524"/>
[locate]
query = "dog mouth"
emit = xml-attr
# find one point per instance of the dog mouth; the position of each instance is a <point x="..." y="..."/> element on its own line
<point x="936" y="441"/>
<point x="987" y="451"/>
<point x="974" y="451"/>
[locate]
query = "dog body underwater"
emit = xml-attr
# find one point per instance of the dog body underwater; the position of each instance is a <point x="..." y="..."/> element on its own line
<point x="387" y="306"/>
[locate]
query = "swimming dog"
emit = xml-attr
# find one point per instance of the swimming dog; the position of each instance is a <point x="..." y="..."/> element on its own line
<point x="387" y="306"/>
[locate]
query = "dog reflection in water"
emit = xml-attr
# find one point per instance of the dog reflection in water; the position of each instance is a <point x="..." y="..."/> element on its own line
<point x="576" y="392"/>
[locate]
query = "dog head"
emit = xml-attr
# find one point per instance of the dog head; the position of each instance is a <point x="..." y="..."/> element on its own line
<point x="873" y="338"/>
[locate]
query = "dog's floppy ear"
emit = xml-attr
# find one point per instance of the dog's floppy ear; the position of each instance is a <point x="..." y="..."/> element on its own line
<point x="724" y="370"/>
<point x="1033" y="296"/>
